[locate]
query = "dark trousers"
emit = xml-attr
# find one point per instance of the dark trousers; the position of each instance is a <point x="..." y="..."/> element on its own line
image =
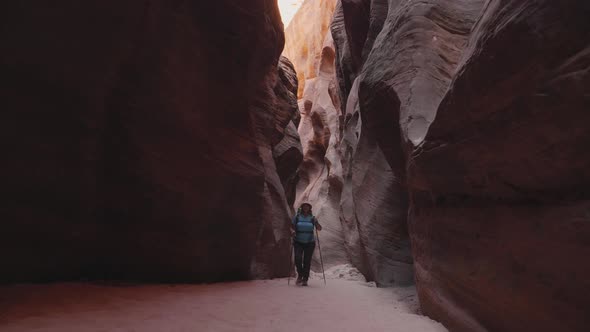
<point x="303" y="254"/>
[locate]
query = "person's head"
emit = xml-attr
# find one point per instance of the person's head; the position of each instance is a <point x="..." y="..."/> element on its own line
<point x="306" y="208"/>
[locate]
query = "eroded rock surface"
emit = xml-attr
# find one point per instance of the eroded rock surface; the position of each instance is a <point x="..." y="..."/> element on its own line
<point x="505" y="167"/>
<point x="288" y="152"/>
<point x="305" y="37"/>
<point x="345" y="173"/>
<point x="374" y="199"/>
<point x="478" y="111"/>
<point x="310" y="44"/>
<point x="139" y="140"/>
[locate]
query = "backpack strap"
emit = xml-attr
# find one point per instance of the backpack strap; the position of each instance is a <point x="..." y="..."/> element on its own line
<point x="313" y="220"/>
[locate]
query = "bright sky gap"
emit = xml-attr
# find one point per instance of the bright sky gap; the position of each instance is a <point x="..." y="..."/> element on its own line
<point x="288" y="9"/>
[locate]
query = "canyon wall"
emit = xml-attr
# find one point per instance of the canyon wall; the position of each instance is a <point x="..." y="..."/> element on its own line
<point x="358" y="200"/>
<point x="146" y="141"/>
<point x="374" y="200"/>
<point x="478" y="111"/>
<point x="305" y="37"/>
<point x="309" y="45"/>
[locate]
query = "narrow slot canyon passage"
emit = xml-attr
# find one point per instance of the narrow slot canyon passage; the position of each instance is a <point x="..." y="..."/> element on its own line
<point x="164" y="158"/>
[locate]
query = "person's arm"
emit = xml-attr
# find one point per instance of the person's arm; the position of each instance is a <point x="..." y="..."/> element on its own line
<point x="292" y="228"/>
<point x="317" y="224"/>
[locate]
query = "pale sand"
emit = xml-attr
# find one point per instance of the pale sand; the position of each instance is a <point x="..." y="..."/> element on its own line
<point x="264" y="305"/>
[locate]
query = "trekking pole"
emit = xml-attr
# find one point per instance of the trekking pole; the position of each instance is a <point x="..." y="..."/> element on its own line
<point x="290" y="264"/>
<point x="321" y="259"/>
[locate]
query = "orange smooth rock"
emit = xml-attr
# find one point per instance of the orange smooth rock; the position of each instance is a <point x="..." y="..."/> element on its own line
<point x="304" y="38"/>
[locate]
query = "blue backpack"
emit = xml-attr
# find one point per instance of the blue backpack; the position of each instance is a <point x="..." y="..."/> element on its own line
<point x="313" y="221"/>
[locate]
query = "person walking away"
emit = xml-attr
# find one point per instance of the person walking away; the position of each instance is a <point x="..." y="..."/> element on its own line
<point x="304" y="241"/>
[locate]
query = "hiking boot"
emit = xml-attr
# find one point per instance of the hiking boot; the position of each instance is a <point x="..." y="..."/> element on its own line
<point x="299" y="281"/>
<point x="304" y="283"/>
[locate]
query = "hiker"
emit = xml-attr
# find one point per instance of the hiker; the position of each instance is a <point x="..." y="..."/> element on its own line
<point x="304" y="241"/>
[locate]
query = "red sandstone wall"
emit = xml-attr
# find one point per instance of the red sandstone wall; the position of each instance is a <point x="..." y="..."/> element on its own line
<point x="479" y="108"/>
<point x="139" y="138"/>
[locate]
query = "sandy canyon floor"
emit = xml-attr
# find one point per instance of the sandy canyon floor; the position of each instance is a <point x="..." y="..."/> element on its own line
<point x="344" y="304"/>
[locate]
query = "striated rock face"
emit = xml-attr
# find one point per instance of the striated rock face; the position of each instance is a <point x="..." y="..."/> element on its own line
<point x="320" y="174"/>
<point x="305" y="38"/>
<point x="288" y="152"/>
<point x="374" y="200"/>
<point x="310" y="45"/>
<point x="506" y="163"/>
<point x="145" y="141"/>
<point x="478" y="111"/>
<point x="345" y="173"/>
